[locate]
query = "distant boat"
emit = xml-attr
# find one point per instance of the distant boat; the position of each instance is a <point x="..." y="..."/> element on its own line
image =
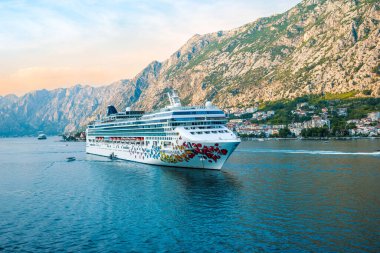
<point x="41" y="136"/>
<point x="71" y="159"/>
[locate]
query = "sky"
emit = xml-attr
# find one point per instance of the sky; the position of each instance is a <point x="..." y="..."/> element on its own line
<point x="51" y="44"/>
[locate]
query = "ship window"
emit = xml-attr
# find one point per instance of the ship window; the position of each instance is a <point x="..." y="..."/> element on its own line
<point x="197" y="112"/>
<point x="207" y="132"/>
<point x="199" y="132"/>
<point x="192" y="132"/>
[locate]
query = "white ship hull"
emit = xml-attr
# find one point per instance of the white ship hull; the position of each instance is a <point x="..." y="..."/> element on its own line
<point x="191" y="137"/>
<point x="207" y="156"/>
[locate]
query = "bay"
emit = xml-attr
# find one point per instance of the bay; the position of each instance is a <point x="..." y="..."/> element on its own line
<point x="285" y="195"/>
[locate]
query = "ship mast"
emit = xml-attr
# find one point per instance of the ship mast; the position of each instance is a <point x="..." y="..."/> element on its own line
<point x="174" y="99"/>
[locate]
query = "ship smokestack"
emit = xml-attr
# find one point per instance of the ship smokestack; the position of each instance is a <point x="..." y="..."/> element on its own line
<point x="111" y="110"/>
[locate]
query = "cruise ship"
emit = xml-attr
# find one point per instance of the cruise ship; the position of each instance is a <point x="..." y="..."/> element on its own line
<point x="180" y="136"/>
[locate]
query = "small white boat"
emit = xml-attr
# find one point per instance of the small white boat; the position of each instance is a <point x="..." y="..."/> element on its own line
<point x="42" y="137"/>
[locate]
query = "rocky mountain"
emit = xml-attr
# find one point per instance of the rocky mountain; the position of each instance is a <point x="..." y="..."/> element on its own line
<point x="68" y="109"/>
<point x="319" y="46"/>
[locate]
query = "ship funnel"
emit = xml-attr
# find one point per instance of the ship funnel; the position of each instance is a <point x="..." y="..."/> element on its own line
<point x="111" y="110"/>
<point x="174" y="99"/>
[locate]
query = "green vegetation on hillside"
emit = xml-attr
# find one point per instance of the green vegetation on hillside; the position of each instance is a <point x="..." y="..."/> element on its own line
<point x="357" y="108"/>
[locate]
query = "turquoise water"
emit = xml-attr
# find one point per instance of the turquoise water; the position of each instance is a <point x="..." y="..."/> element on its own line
<point x="270" y="196"/>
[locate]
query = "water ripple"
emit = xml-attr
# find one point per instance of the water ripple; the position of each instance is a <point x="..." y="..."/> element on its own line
<point x="263" y="200"/>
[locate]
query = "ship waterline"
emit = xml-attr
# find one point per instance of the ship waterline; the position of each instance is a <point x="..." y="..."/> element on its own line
<point x="191" y="137"/>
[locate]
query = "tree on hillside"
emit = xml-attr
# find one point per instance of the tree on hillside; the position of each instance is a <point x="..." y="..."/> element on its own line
<point x="316" y="132"/>
<point x="285" y="133"/>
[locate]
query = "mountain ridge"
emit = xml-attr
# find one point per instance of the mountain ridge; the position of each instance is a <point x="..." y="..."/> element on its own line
<point x="318" y="46"/>
<point x="241" y="57"/>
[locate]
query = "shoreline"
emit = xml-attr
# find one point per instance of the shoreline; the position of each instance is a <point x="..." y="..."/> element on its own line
<point x="310" y="139"/>
<point x="242" y="138"/>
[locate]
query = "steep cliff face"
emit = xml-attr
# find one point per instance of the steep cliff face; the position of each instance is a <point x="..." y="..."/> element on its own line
<point x="318" y="46"/>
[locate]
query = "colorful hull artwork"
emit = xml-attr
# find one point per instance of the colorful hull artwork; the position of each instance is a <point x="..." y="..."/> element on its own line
<point x="192" y="155"/>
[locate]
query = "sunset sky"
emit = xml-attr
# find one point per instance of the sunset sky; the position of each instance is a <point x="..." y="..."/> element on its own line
<point x="51" y="44"/>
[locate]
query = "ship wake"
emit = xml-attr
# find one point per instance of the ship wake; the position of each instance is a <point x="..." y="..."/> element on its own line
<point x="310" y="152"/>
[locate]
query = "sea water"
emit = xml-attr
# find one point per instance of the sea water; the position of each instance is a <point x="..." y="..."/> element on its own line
<point x="270" y="196"/>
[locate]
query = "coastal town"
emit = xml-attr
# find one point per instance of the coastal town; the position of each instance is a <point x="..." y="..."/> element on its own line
<point x="312" y="122"/>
